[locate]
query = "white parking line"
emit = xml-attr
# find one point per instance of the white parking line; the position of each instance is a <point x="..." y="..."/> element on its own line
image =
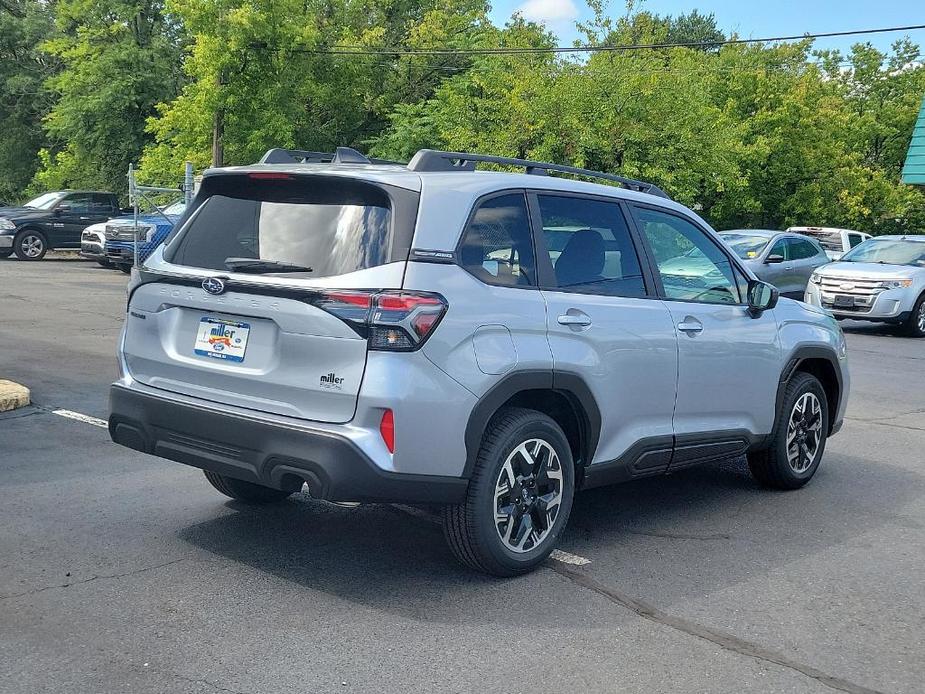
<point x="568" y="558"/>
<point x="85" y="418"/>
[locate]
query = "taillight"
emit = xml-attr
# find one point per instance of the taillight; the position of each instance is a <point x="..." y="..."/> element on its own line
<point x="391" y="320"/>
<point x="387" y="430"/>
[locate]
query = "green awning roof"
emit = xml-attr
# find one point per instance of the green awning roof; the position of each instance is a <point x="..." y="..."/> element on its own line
<point x="914" y="170"/>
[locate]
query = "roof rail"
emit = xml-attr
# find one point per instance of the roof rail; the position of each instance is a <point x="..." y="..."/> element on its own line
<point x="342" y="155"/>
<point x="435" y="160"/>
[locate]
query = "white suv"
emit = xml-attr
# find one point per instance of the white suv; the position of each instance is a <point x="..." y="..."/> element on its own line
<point x="881" y="280"/>
<point x="487" y="341"/>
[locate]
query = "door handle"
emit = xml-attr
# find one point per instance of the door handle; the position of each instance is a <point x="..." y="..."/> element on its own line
<point x="690" y="325"/>
<point x="577" y="319"/>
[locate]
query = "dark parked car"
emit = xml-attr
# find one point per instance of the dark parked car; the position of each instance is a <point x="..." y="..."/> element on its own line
<point x="53" y="220"/>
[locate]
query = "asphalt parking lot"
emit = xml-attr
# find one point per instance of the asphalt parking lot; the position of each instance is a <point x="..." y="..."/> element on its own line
<point x="121" y="572"/>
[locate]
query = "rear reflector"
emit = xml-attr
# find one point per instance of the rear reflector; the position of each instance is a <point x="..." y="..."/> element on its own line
<point x="387" y="430"/>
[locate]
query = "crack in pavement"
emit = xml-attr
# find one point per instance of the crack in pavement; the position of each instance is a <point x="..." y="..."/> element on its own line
<point x="91" y="579"/>
<point x="726" y="641"/>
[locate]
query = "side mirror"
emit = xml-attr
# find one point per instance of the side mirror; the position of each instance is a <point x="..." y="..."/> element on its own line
<point x="761" y="297"/>
<point x="773" y="259"/>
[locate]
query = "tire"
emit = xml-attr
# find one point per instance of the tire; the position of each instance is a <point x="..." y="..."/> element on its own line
<point x="127" y="269"/>
<point x="30" y="245"/>
<point x="915" y="323"/>
<point x="471" y="528"/>
<point x="104" y="263"/>
<point x="245" y="491"/>
<point x="774" y="466"/>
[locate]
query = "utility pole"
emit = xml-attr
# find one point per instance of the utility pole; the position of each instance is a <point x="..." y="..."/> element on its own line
<point x="218" y="127"/>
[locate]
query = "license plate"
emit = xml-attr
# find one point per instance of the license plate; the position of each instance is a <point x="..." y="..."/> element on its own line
<point x="843" y="300"/>
<point x="222" y="339"/>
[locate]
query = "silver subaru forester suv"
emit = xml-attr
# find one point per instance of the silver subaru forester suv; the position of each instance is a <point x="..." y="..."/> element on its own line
<point x="487" y="341"/>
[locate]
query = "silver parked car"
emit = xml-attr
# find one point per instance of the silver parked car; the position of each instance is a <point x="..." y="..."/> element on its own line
<point x="483" y="340"/>
<point x="783" y="259"/>
<point x="881" y="280"/>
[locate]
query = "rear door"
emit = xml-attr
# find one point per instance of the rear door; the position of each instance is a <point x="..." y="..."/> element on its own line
<point x="607" y="326"/>
<point x="728" y="360"/>
<point x="805" y="256"/>
<point x="289" y="343"/>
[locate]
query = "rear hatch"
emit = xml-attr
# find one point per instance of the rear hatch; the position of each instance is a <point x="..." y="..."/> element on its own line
<point x="246" y="305"/>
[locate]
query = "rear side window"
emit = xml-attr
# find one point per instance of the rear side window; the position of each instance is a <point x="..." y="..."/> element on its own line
<point x="801" y="249"/>
<point x="854" y="240"/>
<point x="101" y="203"/>
<point x="590" y="247"/>
<point x="497" y="246"/>
<point x="333" y="227"/>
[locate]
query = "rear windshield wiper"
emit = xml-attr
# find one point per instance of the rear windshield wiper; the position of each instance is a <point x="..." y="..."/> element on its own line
<point x="257" y="266"/>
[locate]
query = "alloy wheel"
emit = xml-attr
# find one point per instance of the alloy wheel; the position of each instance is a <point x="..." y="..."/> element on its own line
<point x="528" y="495"/>
<point x="921" y="317"/>
<point x="804" y="432"/>
<point x="32" y="245"/>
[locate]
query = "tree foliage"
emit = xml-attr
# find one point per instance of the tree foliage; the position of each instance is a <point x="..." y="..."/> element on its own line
<point x="750" y="135"/>
<point x="24" y="101"/>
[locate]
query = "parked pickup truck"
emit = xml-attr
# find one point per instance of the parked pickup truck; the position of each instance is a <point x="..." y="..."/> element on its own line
<point x="53" y="220"/>
<point x="836" y="242"/>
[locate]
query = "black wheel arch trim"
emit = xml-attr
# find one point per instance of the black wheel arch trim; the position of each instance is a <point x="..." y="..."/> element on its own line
<point x="798" y="357"/>
<point x="570" y="385"/>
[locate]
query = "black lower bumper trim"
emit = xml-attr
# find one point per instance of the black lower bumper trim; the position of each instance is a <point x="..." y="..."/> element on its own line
<point x="268" y="454"/>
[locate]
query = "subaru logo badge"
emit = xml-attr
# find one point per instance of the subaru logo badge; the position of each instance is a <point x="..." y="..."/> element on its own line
<point x="213" y="285"/>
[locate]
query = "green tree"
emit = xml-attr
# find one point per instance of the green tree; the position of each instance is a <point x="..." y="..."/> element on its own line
<point x="261" y="73"/>
<point x="120" y="58"/>
<point x="24" y="24"/>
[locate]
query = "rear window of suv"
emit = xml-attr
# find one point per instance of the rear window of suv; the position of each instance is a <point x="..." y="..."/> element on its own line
<point x="331" y="226"/>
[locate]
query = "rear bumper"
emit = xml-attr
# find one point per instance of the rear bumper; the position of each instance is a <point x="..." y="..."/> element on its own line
<point x="266" y="453"/>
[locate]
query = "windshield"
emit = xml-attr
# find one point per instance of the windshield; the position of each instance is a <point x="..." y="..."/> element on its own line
<point x="333" y="228"/>
<point x="175" y="208"/>
<point x="746" y="246"/>
<point x="45" y="201"/>
<point x="888" y="251"/>
<point x="828" y="239"/>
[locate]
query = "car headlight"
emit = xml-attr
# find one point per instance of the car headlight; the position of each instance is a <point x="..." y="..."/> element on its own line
<point x="6" y="223"/>
<point x="895" y="284"/>
<point x="815" y="278"/>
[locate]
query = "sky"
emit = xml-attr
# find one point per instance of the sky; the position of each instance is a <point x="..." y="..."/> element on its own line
<point x="747" y="18"/>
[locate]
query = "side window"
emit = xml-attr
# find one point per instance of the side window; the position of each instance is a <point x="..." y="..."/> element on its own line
<point x="590" y="247"/>
<point x="801" y="249"/>
<point x="691" y="265"/>
<point x="497" y="246"/>
<point x="79" y="202"/>
<point x="101" y="203"/>
<point x="781" y="248"/>
<point x="854" y="239"/>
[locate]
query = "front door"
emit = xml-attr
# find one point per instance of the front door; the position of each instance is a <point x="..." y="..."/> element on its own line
<point x="72" y="215"/>
<point x="609" y="329"/>
<point x="728" y="359"/>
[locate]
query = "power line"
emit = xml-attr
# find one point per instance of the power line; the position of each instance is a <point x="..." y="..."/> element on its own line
<point x="588" y="48"/>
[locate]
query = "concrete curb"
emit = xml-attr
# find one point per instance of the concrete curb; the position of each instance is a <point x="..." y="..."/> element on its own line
<point x="12" y="396"/>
